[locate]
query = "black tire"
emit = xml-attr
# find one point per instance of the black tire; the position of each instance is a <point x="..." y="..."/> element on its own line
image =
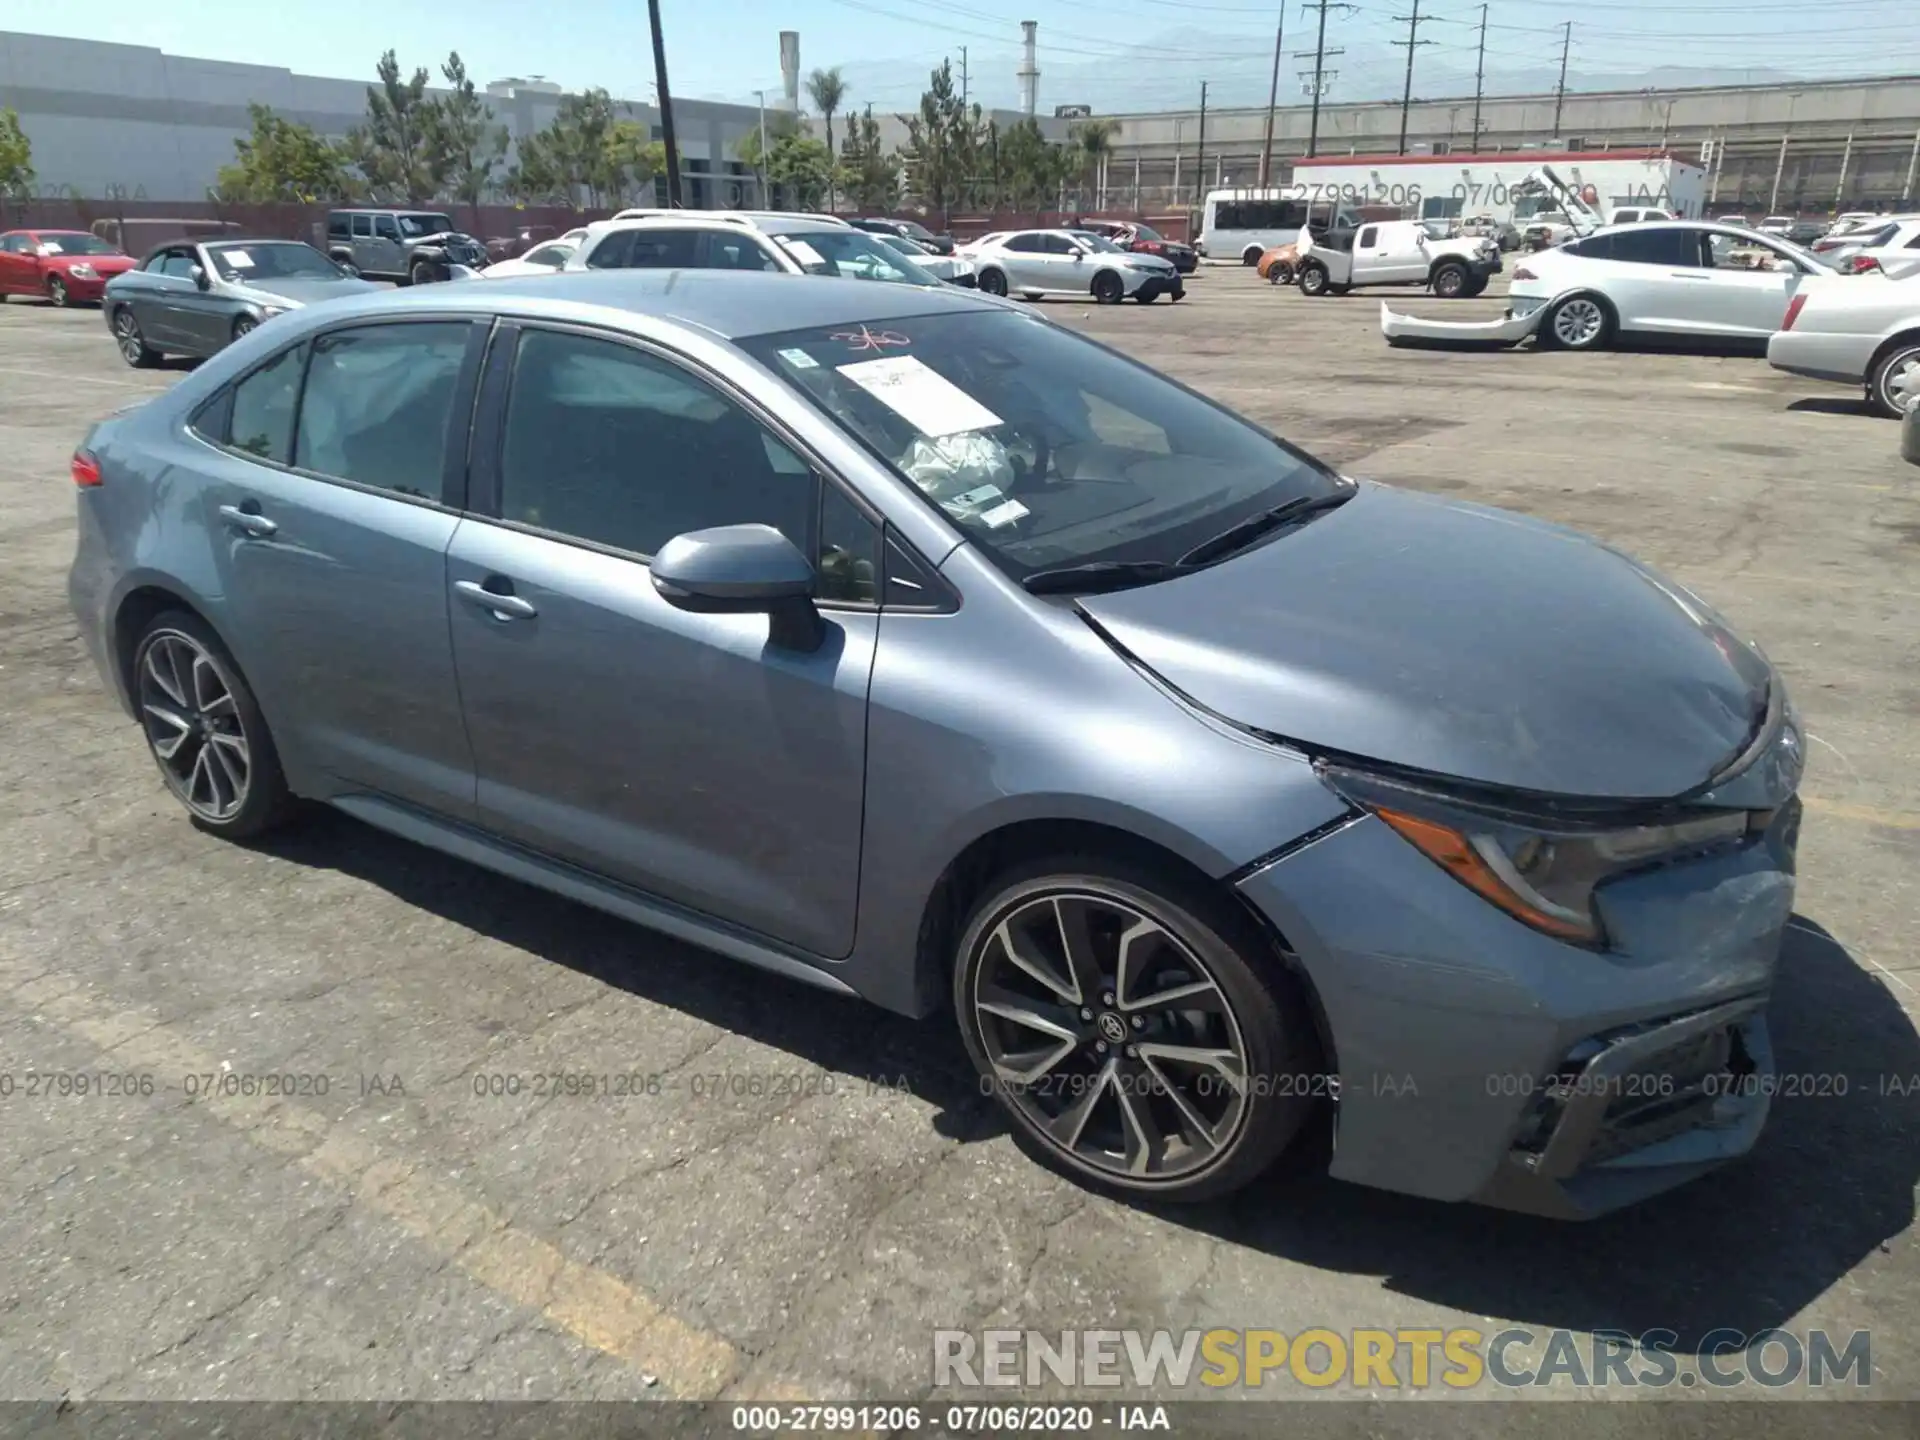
<point x="1251" y="255"/>
<point x="259" y="799"/>
<point x="1476" y="285"/>
<point x="1254" y="1008"/>
<point x="992" y="282"/>
<point x="1280" y="273"/>
<point x="422" y="272"/>
<point x="1449" y="280"/>
<point x="1109" y="288"/>
<point x="57" y="294"/>
<point x="1564" y="326"/>
<point x="243" y="326"/>
<point x="131" y="341"/>
<point x="1314" y="279"/>
<point x="1898" y="368"/>
<point x="1144" y="296"/>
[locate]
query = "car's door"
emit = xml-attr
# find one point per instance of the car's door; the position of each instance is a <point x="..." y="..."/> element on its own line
<point x="1371" y="259"/>
<point x="160" y="303"/>
<point x="364" y="253"/>
<point x="17" y="264"/>
<point x="1654" y="278"/>
<point x="1743" y="301"/>
<point x="1066" y="268"/>
<point x="389" y="255"/>
<point x="206" y="309"/>
<point x="682" y="754"/>
<point x="338" y="469"/>
<point x="1023" y="256"/>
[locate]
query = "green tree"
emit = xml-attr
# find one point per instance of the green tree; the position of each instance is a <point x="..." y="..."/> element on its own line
<point x="869" y="174"/>
<point x="585" y="153"/>
<point x="1029" y="167"/>
<point x="16" y="157"/>
<point x="462" y="143"/>
<point x="285" y="160"/>
<point x="391" y="149"/>
<point x="629" y="162"/>
<point x="801" y="168"/>
<point x="828" y="91"/>
<point x="941" y="142"/>
<point x="779" y="124"/>
<point x="1091" y="144"/>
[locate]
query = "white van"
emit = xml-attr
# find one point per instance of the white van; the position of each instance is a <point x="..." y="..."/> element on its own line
<point x="1242" y="224"/>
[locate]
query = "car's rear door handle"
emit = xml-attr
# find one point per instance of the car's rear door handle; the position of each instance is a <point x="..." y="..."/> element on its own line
<point x="248" y="522"/>
<point x="503" y="604"/>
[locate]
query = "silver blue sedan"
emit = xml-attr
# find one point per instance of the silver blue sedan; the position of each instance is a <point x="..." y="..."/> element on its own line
<point x="196" y="299"/>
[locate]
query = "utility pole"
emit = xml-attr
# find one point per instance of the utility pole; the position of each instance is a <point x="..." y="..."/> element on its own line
<point x="1560" y="90"/>
<point x="1479" y="79"/>
<point x="666" y="106"/>
<point x="1200" y="152"/>
<point x="963" y="77"/>
<point x="1320" y="57"/>
<point x="766" y="193"/>
<point x="1273" y="99"/>
<point x="1412" y="43"/>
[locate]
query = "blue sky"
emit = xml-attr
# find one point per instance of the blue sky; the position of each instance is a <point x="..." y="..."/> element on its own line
<point x="1152" y="52"/>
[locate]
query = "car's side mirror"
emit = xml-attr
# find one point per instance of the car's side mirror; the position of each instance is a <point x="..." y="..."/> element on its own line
<point x="198" y="275"/>
<point x="742" y="570"/>
<point x="348" y="269"/>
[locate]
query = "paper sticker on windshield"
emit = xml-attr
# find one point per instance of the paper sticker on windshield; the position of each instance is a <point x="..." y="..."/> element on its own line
<point x="802" y="251"/>
<point x="50" y="247"/>
<point x="799" y="359"/>
<point x="925" y="399"/>
<point x="239" y="259"/>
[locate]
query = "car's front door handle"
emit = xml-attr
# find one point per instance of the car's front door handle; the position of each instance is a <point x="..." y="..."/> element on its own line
<point x="1688" y="275"/>
<point x="503" y="604"/>
<point x="248" y="522"/>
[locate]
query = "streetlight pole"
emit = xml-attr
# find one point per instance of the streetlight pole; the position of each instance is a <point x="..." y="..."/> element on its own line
<point x="1273" y="99"/>
<point x="766" y="197"/>
<point x="666" y="105"/>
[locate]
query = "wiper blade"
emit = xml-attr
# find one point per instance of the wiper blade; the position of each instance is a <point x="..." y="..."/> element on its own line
<point x="1242" y="534"/>
<point x="1099" y="575"/>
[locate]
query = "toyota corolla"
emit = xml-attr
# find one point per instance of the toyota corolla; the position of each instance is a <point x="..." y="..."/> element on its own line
<point x="901" y="642"/>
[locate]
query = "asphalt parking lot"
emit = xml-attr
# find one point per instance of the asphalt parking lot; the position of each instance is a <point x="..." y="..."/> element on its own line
<point x="824" y="1187"/>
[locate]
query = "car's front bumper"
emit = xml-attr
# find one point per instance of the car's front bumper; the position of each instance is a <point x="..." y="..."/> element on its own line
<point x="1158" y="284"/>
<point x="85" y="290"/>
<point x="1842" y="359"/>
<point x="1479" y="1059"/>
<point x="1509" y="329"/>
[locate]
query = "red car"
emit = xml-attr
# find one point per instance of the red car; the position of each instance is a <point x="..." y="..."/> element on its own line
<point x="67" y="267"/>
<point x="1145" y="240"/>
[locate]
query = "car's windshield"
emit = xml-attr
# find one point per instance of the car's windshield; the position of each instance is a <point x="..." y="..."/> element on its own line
<point x="917" y="230"/>
<point x="1146" y="232"/>
<point x="900" y="244"/>
<point x="851" y="253"/>
<point x="1044" y="448"/>
<point x="1097" y="242"/>
<point x="69" y="242"/>
<point x="272" y="260"/>
<point x="413" y="225"/>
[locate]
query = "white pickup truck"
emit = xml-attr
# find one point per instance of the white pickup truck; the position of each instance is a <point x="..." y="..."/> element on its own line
<point x="1395" y="252"/>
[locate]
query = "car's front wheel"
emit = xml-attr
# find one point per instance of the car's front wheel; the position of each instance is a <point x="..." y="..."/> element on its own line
<point x="205" y="729"/>
<point x="1314" y="279"/>
<point x="1449" y="281"/>
<point x="244" y="326"/>
<point x="1108" y="288"/>
<point x="1280" y="273"/>
<point x="132" y="343"/>
<point x="57" y="292"/>
<point x="1894" y="386"/>
<point x="1139" y="1032"/>
<point x="993" y="282"/>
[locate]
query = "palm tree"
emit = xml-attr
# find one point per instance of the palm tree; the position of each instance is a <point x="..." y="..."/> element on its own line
<point x="828" y="91"/>
<point x="1094" y="140"/>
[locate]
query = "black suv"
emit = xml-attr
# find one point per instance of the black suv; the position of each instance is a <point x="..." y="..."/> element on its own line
<point x="412" y="247"/>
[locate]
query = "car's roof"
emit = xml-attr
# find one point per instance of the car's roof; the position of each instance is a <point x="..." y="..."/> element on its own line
<point x="731" y="304"/>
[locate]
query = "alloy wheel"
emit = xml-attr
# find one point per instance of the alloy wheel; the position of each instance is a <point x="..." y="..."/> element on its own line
<point x="193" y="725"/>
<point x="1578" y="323"/>
<point x="57" y="292"/>
<point x="126" y="331"/>
<point x="244" y="327"/>
<point x="1110" y="1037"/>
<point x="1901" y="384"/>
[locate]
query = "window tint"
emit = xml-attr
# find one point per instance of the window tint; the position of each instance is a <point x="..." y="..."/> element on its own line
<point x="1026" y="244"/>
<point x="1662" y="245"/>
<point x="14" y="244"/>
<point x="1259" y="215"/>
<point x="339" y="227"/>
<point x="1366" y="237"/>
<point x="386" y="227"/>
<point x="611" y="252"/>
<point x="738" y="252"/>
<point x="1594" y="247"/>
<point x="378" y="405"/>
<point x="263" y="403"/>
<point x="363" y="226"/>
<point x="663" y="249"/>
<point x="850" y="562"/>
<point x="615" y="446"/>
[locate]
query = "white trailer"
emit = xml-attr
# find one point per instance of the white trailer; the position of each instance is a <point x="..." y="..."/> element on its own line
<point x="1463" y="187"/>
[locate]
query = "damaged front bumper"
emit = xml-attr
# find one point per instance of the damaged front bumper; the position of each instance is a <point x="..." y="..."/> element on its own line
<point x="1521" y="320"/>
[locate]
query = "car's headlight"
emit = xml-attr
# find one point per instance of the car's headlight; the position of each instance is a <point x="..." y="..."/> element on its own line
<point x="83" y="272"/>
<point x="267" y="312"/>
<point x="1538" y="870"/>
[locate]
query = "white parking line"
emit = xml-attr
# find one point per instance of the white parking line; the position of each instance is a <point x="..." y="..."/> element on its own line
<point x="83" y="379"/>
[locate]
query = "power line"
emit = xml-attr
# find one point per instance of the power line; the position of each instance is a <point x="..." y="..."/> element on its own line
<point x="1320" y="55"/>
<point x="1412" y="43"/>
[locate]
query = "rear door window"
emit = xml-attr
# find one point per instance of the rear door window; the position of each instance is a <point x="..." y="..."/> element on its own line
<point x="1657" y="245"/>
<point x="378" y="406"/>
<point x="664" y="250"/>
<point x="261" y="419"/>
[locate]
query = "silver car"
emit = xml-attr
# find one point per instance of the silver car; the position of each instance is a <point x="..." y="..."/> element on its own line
<point x="196" y="299"/>
<point x="897" y="641"/>
<point x="954" y="269"/>
<point x="1038" y="264"/>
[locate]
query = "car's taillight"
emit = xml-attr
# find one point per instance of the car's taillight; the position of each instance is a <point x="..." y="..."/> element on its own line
<point x="86" y="469"/>
<point x="1794" y="308"/>
<point x="1861" y="264"/>
<point x="1522" y="273"/>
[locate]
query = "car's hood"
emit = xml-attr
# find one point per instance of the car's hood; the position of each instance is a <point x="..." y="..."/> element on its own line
<point x="1458" y="640"/>
<point x="1149" y="262"/>
<point x="300" y="291"/>
<point x="102" y="264"/>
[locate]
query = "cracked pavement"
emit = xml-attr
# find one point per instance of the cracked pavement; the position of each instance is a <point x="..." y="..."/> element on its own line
<point x="797" y="1190"/>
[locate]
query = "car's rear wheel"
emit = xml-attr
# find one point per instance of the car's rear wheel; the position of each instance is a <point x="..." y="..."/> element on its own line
<point x="1894" y="385"/>
<point x="1280" y="273"/>
<point x="243" y="326"/>
<point x="1250" y="255"/>
<point x="205" y="730"/>
<point x="1579" y="322"/>
<point x="57" y="292"/>
<point x="1449" y="281"/>
<point x="1314" y="279"/>
<point x="1138" y="1031"/>
<point x="423" y="272"/>
<point x="1108" y="288"/>
<point x="133" y="344"/>
<point x="992" y="282"/>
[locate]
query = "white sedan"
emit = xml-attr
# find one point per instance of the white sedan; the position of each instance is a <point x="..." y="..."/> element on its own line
<point x="1687" y="279"/>
<point x="1069" y="263"/>
<point x="1861" y="331"/>
<point x="543" y="259"/>
<point x="1892" y="247"/>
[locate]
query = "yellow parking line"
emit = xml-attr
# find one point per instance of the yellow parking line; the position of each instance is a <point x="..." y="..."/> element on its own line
<point x="596" y="1308"/>
<point x="1867" y="814"/>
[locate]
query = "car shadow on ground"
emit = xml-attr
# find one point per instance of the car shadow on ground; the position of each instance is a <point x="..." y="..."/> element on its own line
<point x="1834" y="405"/>
<point x="1746" y="1248"/>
